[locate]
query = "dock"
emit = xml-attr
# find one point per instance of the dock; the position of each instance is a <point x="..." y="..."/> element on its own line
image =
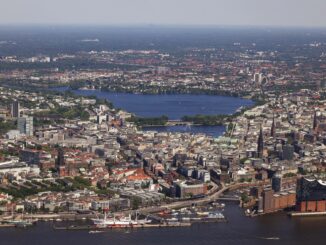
<point x="93" y="227"/>
<point x="306" y="214"/>
<point x="7" y="225"/>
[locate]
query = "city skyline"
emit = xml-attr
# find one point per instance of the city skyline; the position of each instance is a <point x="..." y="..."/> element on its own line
<point x="177" y="122"/>
<point x="168" y="12"/>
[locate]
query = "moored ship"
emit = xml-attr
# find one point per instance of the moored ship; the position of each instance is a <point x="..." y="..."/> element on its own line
<point x="119" y="222"/>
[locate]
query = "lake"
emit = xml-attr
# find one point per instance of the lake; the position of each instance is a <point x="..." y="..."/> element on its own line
<point x="174" y="106"/>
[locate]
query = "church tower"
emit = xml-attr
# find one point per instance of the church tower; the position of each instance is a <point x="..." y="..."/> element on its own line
<point x="315" y="122"/>
<point x="60" y="164"/>
<point x="273" y="128"/>
<point x="260" y="143"/>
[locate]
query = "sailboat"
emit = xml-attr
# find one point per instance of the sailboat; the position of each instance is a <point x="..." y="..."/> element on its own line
<point x="21" y="223"/>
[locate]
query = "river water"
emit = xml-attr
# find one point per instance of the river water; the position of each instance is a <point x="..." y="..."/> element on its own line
<point x="238" y="230"/>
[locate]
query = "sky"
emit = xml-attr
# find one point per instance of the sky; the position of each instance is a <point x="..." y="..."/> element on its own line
<point x="165" y="12"/>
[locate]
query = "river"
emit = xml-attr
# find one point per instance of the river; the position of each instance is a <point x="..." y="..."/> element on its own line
<point x="238" y="230"/>
<point x="174" y="106"/>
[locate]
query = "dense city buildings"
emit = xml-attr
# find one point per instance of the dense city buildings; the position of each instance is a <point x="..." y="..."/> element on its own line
<point x="62" y="153"/>
<point x="162" y="122"/>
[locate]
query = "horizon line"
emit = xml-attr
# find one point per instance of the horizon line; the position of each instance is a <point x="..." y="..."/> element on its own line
<point x="148" y="25"/>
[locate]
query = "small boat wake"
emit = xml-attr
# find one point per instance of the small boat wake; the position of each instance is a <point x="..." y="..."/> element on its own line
<point x="270" y="238"/>
<point x="275" y="238"/>
<point x="95" y="232"/>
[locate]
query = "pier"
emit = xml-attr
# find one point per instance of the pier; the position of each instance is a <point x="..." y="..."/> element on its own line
<point x="306" y="214"/>
<point x="93" y="227"/>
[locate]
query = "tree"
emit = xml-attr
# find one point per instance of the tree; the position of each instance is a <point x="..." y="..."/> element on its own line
<point x="244" y="197"/>
<point x="243" y="160"/>
<point x="135" y="202"/>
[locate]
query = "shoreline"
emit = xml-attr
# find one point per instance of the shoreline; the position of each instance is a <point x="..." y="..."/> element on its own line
<point x="207" y="93"/>
<point x="238" y="111"/>
<point x="169" y="92"/>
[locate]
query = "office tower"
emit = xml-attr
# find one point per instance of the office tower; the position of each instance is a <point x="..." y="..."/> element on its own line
<point x="25" y="125"/>
<point x="15" y="109"/>
<point x="258" y="77"/>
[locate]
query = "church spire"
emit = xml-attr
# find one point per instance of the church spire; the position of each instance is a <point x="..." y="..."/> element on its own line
<point x="60" y="158"/>
<point x="273" y="127"/>
<point x="260" y="143"/>
<point x="315" y="122"/>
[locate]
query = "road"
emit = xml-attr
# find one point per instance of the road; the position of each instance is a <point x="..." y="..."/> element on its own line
<point x="213" y="195"/>
<point x="210" y="198"/>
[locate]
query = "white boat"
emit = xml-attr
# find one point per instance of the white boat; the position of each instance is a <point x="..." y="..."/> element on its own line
<point x="175" y="214"/>
<point x="272" y="238"/>
<point x="186" y="219"/>
<point x="119" y="222"/>
<point x="195" y="218"/>
<point x="215" y="216"/>
<point x="172" y="219"/>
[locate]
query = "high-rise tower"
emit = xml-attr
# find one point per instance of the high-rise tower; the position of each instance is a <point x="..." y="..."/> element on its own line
<point x="25" y="125"/>
<point x="15" y="109"/>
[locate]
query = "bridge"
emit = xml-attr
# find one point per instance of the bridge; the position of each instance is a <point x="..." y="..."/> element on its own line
<point x="178" y="123"/>
<point x="229" y="199"/>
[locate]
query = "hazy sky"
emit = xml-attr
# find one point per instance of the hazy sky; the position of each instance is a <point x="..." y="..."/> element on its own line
<point x="181" y="12"/>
